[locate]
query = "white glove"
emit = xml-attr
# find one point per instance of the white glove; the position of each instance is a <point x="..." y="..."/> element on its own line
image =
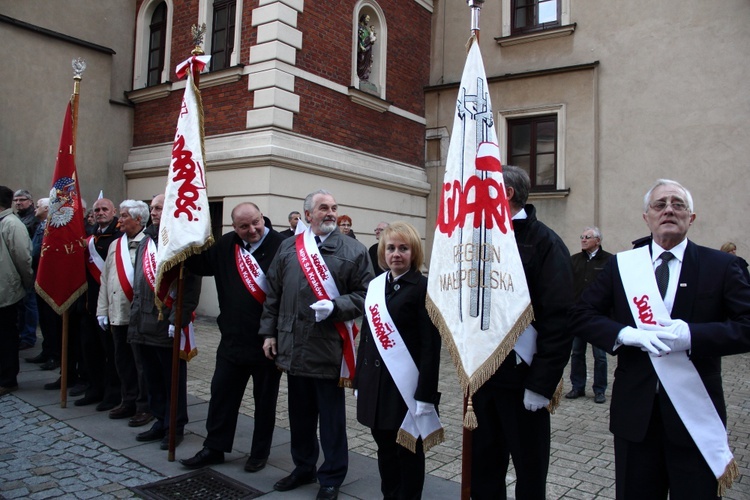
<point x="682" y="341"/>
<point x="424" y="408"/>
<point x="323" y="309"/>
<point x="356" y="393"/>
<point x="103" y="322"/>
<point x="171" y="331"/>
<point x="648" y="340"/>
<point x="533" y="401"/>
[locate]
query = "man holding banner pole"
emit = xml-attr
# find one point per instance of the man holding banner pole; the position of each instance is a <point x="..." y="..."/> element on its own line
<point x="668" y="309"/>
<point x="513" y="407"/>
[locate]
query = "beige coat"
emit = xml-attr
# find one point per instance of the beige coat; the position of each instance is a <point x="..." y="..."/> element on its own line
<point x="112" y="300"/>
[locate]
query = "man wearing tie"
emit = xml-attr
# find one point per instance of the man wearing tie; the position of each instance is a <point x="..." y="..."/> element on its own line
<point x="239" y="262"/>
<point x="668" y="415"/>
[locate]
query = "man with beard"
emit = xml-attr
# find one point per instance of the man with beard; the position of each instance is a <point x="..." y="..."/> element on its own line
<point x="239" y="262"/>
<point x="317" y="287"/>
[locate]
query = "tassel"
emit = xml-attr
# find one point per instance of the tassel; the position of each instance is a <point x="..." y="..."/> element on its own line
<point x="470" y="418"/>
<point x="406" y="440"/>
<point x="731" y="473"/>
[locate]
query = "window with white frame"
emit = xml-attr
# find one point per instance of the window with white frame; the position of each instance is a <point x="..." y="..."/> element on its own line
<point x="153" y="41"/>
<point x="223" y="20"/>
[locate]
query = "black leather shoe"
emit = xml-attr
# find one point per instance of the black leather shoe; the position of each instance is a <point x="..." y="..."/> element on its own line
<point x="600" y="398"/>
<point x="78" y="390"/>
<point x="106" y="406"/>
<point x="87" y="400"/>
<point x="165" y="441"/>
<point x="255" y="464"/>
<point x="150" y="435"/>
<point x="328" y="493"/>
<point x="575" y="394"/>
<point x="122" y="412"/>
<point x="291" y="482"/>
<point x="42" y="357"/>
<point x="51" y="364"/>
<point x="53" y="386"/>
<point x="203" y="458"/>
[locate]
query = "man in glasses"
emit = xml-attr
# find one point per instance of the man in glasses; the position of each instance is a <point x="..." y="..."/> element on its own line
<point x="669" y="309"/>
<point x="586" y="266"/>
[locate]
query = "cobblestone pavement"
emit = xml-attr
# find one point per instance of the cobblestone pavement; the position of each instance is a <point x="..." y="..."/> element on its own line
<point x="42" y="457"/>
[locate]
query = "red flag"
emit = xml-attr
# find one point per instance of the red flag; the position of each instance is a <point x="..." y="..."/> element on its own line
<point x="61" y="277"/>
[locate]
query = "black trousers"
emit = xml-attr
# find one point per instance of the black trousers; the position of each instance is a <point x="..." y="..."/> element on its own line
<point x="401" y="471"/>
<point x="50" y="323"/>
<point x="505" y="429"/>
<point x="311" y="399"/>
<point x="129" y="364"/>
<point x="227" y="390"/>
<point x="657" y="466"/>
<point x="98" y="352"/>
<point x="157" y="366"/>
<point x="9" y="365"/>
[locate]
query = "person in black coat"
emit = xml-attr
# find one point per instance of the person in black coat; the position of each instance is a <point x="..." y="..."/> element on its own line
<point x="380" y="405"/>
<point x="512" y="406"/>
<point x="240" y="353"/>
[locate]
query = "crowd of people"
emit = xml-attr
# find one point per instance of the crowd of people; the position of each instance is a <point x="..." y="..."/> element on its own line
<point x="290" y="304"/>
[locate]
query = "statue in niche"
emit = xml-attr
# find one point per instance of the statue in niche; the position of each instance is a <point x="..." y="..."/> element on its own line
<point x="367" y="38"/>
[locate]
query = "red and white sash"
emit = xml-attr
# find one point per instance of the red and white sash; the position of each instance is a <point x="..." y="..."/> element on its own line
<point x="402" y="368"/>
<point x="324" y="287"/>
<point x="677" y="374"/>
<point x="251" y="274"/>
<point x="94" y="261"/>
<point x="188" y="349"/>
<point x="125" y="270"/>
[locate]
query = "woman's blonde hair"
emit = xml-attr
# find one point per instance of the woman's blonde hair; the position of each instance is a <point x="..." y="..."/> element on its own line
<point x="410" y="235"/>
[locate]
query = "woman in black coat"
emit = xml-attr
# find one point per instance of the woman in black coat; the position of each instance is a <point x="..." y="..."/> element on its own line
<point x="380" y="405"/>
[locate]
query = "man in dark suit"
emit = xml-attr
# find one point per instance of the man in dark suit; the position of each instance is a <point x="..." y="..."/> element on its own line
<point x="238" y="263"/>
<point x="513" y="406"/>
<point x="293" y="220"/>
<point x="706" y="299"/>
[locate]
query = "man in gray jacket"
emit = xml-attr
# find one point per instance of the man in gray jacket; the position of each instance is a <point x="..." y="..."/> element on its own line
<point x="304" y="323"/>
<point x="16" y="277"/>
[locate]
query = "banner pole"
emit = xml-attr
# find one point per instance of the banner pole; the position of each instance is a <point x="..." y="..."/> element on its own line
<point x="78" y="67"/>
<point x="174" y="392"/>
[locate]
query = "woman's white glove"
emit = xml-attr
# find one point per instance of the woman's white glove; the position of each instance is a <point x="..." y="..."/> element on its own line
<point x="103" y="322"/>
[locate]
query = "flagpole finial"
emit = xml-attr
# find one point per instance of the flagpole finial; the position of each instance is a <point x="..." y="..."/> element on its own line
<point x="198" y="32"/>
<point x="79" y="66"/>
<point x="476" y="7"/>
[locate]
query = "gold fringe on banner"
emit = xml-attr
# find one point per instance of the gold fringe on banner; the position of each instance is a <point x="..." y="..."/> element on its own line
<point x="471" y="385"/>
<point x="346" y="382"/>
<point x="66" y="305"/>
<point x="731" y="473"/>
<point x="555" y="401"/>
<point x="187" y="356"/>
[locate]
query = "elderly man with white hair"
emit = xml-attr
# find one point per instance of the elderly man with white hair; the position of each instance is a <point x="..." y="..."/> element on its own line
<point x="113" y="308"/>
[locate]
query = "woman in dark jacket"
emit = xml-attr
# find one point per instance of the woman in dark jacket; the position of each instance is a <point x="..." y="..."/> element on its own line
<point x="381" y="382"/>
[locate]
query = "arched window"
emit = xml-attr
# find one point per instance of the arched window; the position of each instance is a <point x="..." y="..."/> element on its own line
<point x="157" y="44"/>
<point x="153" y="43"/>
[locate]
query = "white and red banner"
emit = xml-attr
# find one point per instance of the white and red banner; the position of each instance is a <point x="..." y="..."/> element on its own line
<point x="94" y="261"/>
<point x="185" y="227"/>
<point x="477" y="292"/>
<point x="125" y="270"/>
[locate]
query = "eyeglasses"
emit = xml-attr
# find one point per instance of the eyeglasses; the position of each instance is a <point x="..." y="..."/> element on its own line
<point x="378" y="230"/>
<point x="588" y="236"/>
<point x="677" y="206"/>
